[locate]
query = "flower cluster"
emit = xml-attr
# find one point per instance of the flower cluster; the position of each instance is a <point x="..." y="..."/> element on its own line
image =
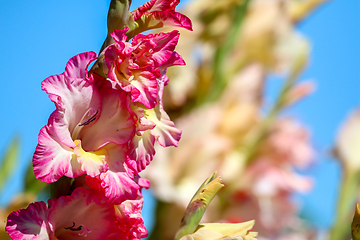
<point x="254" y="144"/>
<point x="102" y="134"/>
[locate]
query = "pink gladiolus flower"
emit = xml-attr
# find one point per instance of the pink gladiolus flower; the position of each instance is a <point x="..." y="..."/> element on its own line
<point x="161" y="129"/>
<point x="160" y="13"/>
<point x="120" y="182"/>
<point x="138" y="66"/>
<point x="90" y="124"/>
<point x="85" y="214"/>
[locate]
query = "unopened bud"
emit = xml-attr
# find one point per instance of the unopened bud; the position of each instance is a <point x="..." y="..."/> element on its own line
<point x="198" y="205"/>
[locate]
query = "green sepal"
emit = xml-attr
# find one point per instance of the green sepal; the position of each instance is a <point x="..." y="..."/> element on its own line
<point x="197" y="206"/>
<point x="355" y="225"/>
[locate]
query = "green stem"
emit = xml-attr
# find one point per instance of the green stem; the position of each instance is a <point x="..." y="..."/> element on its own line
<point x="346" y="202"/>
<point x="221" y="73"/>
<point x="280" y="103"/>
<point x="265" y="126"/>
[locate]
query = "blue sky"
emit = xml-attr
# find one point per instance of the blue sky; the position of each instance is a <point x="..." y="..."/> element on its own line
<point x="38" y="38"/>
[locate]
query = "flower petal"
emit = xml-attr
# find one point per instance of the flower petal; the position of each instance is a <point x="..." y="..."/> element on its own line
<point x="93" y="163"/>
<point x="142" y="150"/>
<point x="165" y="45"/>
<point x="77" y="66"/>
<point x="115" y="124"/>
<point x="145" y="88"/>
<point x="73" y="97"/>
<point x="118" y="186"/>
<point x="83" y="215"/>
<point x="51" y="158"/>
<point x="163" y="19"/>
<point x="130" y="219"/>
<point x="30" y="223"/>
<point x="161" y="12"/>
<point x="165" y="131"/>
<point x="118" y="182"/>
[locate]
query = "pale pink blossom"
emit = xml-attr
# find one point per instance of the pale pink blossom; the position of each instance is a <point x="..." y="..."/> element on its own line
<point x="264" y="178"/>
<point x="272" y="172"/>
<point x="289" y="142"/>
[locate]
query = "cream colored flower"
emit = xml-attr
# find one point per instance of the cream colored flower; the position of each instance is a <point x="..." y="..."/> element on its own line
<point x="348" y="142"/>
<point x="223" y="231"/>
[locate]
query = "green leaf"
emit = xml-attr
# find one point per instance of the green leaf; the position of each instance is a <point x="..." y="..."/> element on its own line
<point x="31" y="184"/>
<point x="9" y="160"/>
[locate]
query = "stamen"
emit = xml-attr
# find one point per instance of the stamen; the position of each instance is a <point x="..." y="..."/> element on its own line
<point x="131" y="78"/>
<point x="72" y="228"/>
<point x="87" y="118"/>
<point x="84" y="231"/>
<point x="92" y="113"/>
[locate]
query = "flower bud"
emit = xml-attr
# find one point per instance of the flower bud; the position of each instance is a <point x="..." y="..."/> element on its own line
<point x="118" y="14"/>
<point x="355" y="225"/>
<point x="198" y="205"/>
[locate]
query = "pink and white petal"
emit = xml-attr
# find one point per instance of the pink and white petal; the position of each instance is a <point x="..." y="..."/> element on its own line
<point x="143" y="183"/>
<point x="144" y="88"/>
<point x="164" y="19"/>
<point x="131" y="222"/>
<point x="155" y="5"/>
<point x="74" y="168"/>
<point x="117" y="183"/>
<point x="110" y="55"/>
<point x="142" y="123"/>
<point x="165" y="131"/>
<point x="30" y="223"/>
<point x="179" y="20"/>
<point x="74" y="97"/>
<point x="164" y="5"/>
<point x="120" y="78"/>
<point x="166" y="43"/>
<point x="118" y="186"/>
<point x="119" y="35"/>
<point x="175" y="59"/>
<point x="137" y="13"/>
<point x="82" y="215"/>
<point x="51" y="158"/>
<point x="142" y="150"/>
<point x="77" y="66"/>
<point x="115" y="124"/>
<point x="162" y="81"/>
<point x="118" y="54"/>
<point x="92" y="163"/>
<point x="58" y="122"/>
<point x="117" y="156"/>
